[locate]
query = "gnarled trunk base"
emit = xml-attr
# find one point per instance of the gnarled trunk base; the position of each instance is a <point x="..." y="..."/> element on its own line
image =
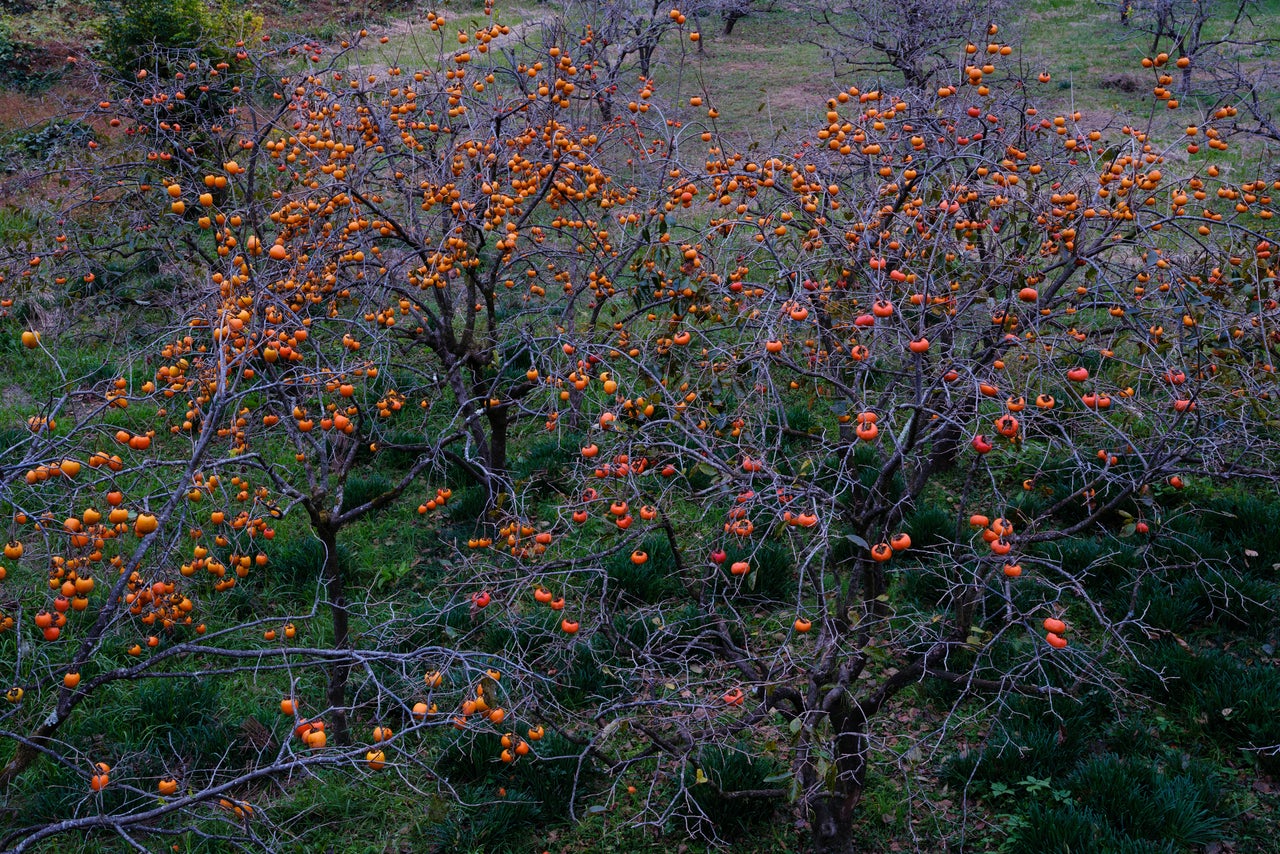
<point x="831" y="821"/>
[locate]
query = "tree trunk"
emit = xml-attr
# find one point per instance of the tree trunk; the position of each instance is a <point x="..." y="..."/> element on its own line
<point x="26" y="753"/>
<point x="874" y="585"/>
<point x="498" y="424"/>
<point x="495" y="472"/>
<point x="339" y="671"/>
<point x="832" y="826"/>
<point x="831" y="813"/>
<point x="646" y="57"/>
<point x="730" y="19"/>
<point x="946" y="449"/>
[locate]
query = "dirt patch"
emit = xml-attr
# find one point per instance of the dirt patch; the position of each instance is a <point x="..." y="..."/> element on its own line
<point x="1125" y="82"/>
<point x="20" y="110"/>
<point x="15" y="397"/>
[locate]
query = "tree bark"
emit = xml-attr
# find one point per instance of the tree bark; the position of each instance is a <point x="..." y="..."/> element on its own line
<point x="339" y="671"/>
<point x="832" y="799"/>
<point x="832" y="826"/>
<point x="498" y="429"/>
<point x="646" y="57"/>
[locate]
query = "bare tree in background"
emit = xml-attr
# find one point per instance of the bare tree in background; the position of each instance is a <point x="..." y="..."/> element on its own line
<point x="1219" y="49"/>
<point x="911" y="37"/>
<point x="1196" y="35"/>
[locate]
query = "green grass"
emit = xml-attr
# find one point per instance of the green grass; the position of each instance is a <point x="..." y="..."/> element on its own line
<point x="764" y="85"/>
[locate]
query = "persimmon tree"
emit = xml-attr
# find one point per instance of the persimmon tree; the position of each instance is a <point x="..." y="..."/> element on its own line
<point x="373" y="265"/>
<point x="733" y="11"/>
<point x="1219" y="53"/>
<point x="812" y="419"/>
<point x="618" y="40"/>
<point x="509" y="191"/>
<point x="877" y="378"/>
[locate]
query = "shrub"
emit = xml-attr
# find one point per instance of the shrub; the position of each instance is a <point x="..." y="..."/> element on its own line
<point x="139" y="33"/>
<point x="728" y="771"/>
<point x="46" y="141"/>
<point x="9" y="51"/>
<point x="1142" y="801"/>
<point x="650" y="581"/>
<point x="485" y="824"/>
<point x="361" y="489"/>
<point x="1044" y="827"/>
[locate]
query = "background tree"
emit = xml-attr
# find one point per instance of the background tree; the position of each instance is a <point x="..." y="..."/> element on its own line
<point x="1195" y="35"/>
<point x="915" y="39"/>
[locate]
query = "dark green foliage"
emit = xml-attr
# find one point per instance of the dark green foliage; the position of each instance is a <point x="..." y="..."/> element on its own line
<point x="468" y="757"/>
<point x="545" y="784"/>
<point x="1228" y="700"/>
<point x="772" y="576"/>
<point x="550" y="779"/>
<point x="299" y="562"/>
<point x="798" y="418"/>
<point x="1030" y="735"/>
<point x="389" y="458"/>
<point x="49" y="139"/>
<point x="148" y="718"/>
<point x="119" y="280"/>
<point x="321" y="809"/>
<point x="1250" y="521"/>
<point x="925" y="587"/>
<point x="1175" y="607"/>
<point x="1061" y="829"/>
<point x="1113" y="804"/>
<point x="170" y="703"/>
<point x="137" y="33"/>
<point x="586" y="677"/>
<point x="638" y="631"/>
<point x="1139" y="800"/>
<point x="360" y="489"/>
<point x="867" y="464"/>
<point x="457" y="616"/>
<point x="12" y="437"/>
<point x="15" y="61"/>
<point x="467" y="506"/>
<point x="485" y="823"/>
<point x="650" y="581"/>
<point x="930" y="526"/>
<point x="52" y="796"/>
<point x="676" y="626"/>
<point x="16" y="226"/>
<point x="731" y="770"/>
<point x="1067" y="797"/>
<point x="546" y="463"/>
<point x="1080" y="552"/>
<point x="1009" y="757"/>
<point x="1027" y="504"/>
<point x="1212" y="599"/>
